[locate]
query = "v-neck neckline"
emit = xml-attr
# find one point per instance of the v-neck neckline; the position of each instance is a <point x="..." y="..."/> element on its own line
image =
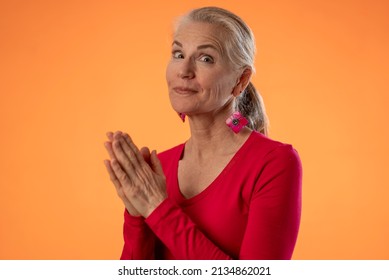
<point x="181" y="199"/>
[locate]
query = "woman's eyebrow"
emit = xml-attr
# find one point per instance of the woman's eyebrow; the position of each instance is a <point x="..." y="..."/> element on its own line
<point x="177" y="43"/>
<point x="205" y="46"/>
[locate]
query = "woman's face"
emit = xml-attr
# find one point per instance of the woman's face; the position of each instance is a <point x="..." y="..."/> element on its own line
<point x="199" y="77"/>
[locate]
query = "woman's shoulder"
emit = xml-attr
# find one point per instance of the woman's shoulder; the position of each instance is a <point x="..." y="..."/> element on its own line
<point x="262" y="146"/>
<point x="264" y="142"/>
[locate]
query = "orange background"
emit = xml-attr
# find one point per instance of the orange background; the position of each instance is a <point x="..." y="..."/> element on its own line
<point x="72" y="70"/>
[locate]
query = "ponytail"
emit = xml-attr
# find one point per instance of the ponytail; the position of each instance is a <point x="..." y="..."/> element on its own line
<point x="250" y="104"/>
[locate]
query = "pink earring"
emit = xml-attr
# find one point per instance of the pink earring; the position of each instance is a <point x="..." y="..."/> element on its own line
<point x="236" y="122"/>
<point x="182" y="116"/>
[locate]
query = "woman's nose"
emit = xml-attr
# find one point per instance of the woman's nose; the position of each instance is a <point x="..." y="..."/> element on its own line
<point x="186" y="71"/>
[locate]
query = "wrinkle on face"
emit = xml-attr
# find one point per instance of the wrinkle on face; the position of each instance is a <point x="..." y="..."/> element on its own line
<point x="208" y="33"/>
<point x="215" y="81"/>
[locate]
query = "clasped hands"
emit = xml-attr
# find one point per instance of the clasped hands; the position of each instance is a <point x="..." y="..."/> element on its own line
<point x="136" y="174"/>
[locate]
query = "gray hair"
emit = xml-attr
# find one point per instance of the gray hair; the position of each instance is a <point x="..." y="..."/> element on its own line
<point x="239" y="47"/>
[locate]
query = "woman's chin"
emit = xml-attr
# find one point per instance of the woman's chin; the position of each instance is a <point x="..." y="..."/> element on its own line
<point x="182" y="108"/>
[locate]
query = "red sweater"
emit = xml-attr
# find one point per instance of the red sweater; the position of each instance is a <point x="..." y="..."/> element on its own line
<point x="250" y="211"/>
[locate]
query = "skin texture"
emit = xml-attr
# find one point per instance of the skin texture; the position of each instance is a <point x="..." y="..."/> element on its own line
<point x="215" y="85"/>
<point x="137" y="175"/>
<point x="202" y="84"/>
<point x="202" y="70"/>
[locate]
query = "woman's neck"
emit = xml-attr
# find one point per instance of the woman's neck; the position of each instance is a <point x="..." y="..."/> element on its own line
<point x="210" y="136"/>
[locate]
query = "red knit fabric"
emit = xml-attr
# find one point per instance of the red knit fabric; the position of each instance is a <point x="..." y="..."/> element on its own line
<point x="250" y="211"/>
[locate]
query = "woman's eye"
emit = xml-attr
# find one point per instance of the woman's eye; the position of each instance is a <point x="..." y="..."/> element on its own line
<point x="207" y="59"/>
<point x="177" y="54"/>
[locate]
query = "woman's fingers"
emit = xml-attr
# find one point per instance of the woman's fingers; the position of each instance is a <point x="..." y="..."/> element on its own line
<point x="136" y="174"/>
<point x="113" y="176"/>
<point x="108" y="147"/>
<point x="156" y="164"/>
<point x="121" y="175"/>
<point x="136" y="156"/>
<point x="124" y="158"/>
<point x="131" y="159"/>
<point x="146" y="154"/>
<point x="117" y="133"/>
<point x="133" y="147"/>
<point x="110" y="135"/>
<point x="131" y="156"/>
<point x="119" y="190"/>
<point x="125" y="152"/>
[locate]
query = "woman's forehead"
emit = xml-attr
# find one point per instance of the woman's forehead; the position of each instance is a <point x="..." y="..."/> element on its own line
<point x="201" y="34"/>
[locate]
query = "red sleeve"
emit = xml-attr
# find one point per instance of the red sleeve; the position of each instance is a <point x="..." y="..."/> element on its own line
<point x="139" y="240"/>
<point x="180" y="235"/>
<point x="275" y="208"/>
<point x="273" y="218"/>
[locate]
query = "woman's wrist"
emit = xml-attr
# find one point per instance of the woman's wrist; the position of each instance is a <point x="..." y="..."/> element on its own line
<point x="132" y="211"/>
<point x="154" y="205"/>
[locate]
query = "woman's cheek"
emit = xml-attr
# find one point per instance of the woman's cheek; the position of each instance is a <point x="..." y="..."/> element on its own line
<point x="169" y="72"/>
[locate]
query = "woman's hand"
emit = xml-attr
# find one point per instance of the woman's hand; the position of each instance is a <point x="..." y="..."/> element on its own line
<point x="119" y="188"/>
<point x="137" y="175"/>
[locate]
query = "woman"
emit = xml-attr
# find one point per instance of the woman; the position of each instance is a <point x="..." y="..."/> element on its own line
<point x="229" y="192"/>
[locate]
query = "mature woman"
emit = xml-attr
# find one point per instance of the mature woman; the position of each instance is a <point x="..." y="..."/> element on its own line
<point x="229" y="191"/>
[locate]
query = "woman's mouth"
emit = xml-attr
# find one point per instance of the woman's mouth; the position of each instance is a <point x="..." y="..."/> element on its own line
<point x="184" y="90"/>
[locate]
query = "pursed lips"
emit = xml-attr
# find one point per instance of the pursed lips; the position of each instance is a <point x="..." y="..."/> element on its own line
<point x="184" y="90"/>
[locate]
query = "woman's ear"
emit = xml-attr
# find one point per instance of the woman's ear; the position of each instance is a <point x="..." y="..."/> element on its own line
<point x="242" y="81"/>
